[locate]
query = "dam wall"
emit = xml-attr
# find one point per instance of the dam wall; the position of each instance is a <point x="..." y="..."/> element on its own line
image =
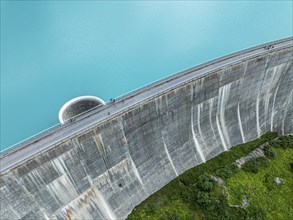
<point x="106" y="170"/>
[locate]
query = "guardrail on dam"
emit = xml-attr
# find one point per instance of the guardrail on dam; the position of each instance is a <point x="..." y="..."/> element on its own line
<point x="101" y="166"/>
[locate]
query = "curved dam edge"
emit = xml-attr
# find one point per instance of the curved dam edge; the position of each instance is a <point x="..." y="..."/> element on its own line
<point x="21" y="152"/>
<point x="103" y="169"/>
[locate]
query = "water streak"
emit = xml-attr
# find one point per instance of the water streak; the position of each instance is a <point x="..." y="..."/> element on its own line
<point x="197" y="145"/>
<point x="199" y="107"/>
<point x="285" y="113"/>
<point x="273" y="108"/>
<point x="211" y="101"/>
<point x="257" y="116"/>
<point x="105" y="206"/>
<point x="11" y="208"/>
<point x="169" y="157"/>
<point x="221" y="134"/>
<point x="224" y="99"/>
<point x="221" y="125"/>
<point x="268" y="95"/>
<point x="240" y="123"/>
<point x="136" y="173"/>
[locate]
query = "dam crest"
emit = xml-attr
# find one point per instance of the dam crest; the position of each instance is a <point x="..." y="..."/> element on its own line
<point x="113" y="157"/>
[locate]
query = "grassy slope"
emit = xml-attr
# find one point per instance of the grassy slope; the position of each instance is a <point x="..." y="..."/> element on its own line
<point x="261" y="190"/>
<point x="167" y="201"/>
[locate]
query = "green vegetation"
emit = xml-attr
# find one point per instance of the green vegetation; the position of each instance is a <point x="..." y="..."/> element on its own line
<point x="261" y="190"/>
<point x="196" y="195"/>
<point x="226" y="171"/>
<point x="269" y="152"/>
<point x="256" y="164"/>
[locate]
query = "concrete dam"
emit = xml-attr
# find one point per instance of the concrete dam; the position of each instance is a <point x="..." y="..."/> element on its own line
<point x="108" y="160"/>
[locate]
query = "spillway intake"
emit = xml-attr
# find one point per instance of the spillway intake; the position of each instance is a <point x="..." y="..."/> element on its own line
<point x="78" y="105"/>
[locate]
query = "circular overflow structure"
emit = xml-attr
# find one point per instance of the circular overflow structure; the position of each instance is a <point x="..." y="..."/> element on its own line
<point x="77" y="106"/>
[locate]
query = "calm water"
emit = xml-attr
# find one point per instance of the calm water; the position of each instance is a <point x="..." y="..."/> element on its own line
<point x="53" y="51"/>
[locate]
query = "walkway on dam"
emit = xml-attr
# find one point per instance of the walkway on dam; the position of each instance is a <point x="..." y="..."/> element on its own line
<point x="23" y="152"/>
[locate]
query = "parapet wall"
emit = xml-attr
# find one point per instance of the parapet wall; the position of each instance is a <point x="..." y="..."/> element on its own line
<point x="104" y="172"/>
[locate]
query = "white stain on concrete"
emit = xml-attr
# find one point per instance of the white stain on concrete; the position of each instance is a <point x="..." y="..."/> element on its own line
<point x="79" y="206"/>
<point x="221" y="125"/>
<point x="211" y="103"/>
<point x="46" y="217"/>
<point x="104" y="206"/>
<point x="100" y="145"/>
<point x="285" y="112"/>
<point x="240" y="123"/>
<point x="199" y="107"/>
<point x="63" y="189"/>
<point x="62" y="169"/>
<point x="273" y="80"/>
<point x="197" y="145"/>
<point x="18" y="216"/>
<point x="257" y="116"/>
<point x="273" y="108"/>
<point x="267" y="101"/>
<point x="169" y="157"/>
<point x="221" y="134"/>
<point x="136" y="173"/>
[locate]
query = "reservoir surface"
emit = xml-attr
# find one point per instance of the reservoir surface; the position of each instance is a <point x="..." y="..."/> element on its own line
<point x="54" y="51"/>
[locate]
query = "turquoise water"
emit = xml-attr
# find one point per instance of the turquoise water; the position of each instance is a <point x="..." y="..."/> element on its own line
<point x="52" y="51"/>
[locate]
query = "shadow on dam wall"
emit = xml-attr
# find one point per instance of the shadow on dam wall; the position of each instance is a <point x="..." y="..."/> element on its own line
<point x="104" y="172"/>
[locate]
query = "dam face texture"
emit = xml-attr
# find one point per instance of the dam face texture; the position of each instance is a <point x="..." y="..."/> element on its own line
<point x="106" y="169"/>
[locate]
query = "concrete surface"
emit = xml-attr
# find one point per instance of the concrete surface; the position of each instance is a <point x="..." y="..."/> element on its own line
<point x="101" y="166"/>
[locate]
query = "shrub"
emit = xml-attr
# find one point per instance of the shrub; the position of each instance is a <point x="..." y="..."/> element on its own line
<point x="219" y="209"/>
<point x="170" y="215"/>
<point x="269" y="152"/>
<point x="226" y="171"/>
<point x="289" y="141"/>
<point x="205" y="183"/>
<point x="189" y="195"/>
<point x="277" y="143"/>
<point x="283" y="142"/>
<point x="174" y="214"/>
<point x="204" y="199"/>
<point x="262" y="162"/>
<point x="251" y="166"/>
<point x="269" y="135"/>
<point x="256" y="213"/>
<point x="254" y="165"/>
